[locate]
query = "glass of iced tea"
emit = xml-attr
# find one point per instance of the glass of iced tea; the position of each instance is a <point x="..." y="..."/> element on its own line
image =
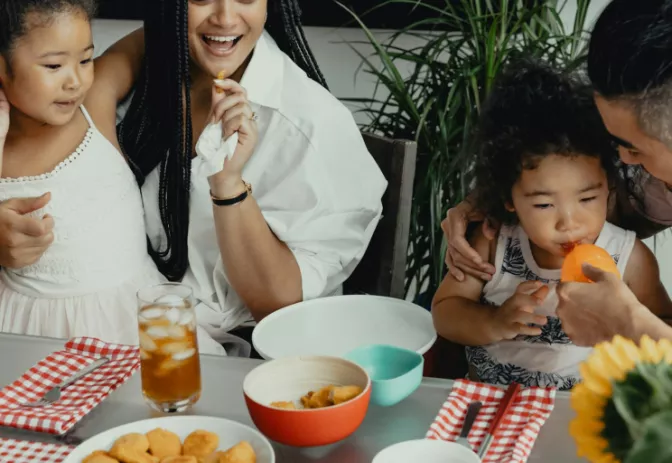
<point x="169" y="363"/>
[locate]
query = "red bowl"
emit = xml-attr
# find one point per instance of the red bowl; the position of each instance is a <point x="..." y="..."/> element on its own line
<point x="290" y="378"/>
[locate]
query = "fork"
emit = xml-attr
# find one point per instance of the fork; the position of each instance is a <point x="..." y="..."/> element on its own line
<point x="472" y="413"/>
<point x="54" y="394"/>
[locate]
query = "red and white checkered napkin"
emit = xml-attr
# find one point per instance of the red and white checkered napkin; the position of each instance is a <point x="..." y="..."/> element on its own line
<point x="517" y="431"/>
<point x="16" y="451"/>
<point x="78" y="399"/>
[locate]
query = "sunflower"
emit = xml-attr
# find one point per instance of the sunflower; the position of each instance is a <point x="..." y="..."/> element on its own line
<point x="623" y="386"/>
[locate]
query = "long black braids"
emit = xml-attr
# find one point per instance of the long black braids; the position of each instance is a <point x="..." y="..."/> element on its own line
<point x="284" y="25"/>
<point x="157" y="130"/>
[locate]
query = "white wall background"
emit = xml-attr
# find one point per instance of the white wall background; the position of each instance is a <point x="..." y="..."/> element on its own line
<point x="340" y="63"/>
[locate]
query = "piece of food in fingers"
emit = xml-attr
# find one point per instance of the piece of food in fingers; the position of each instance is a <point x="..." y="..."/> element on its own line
<point x="220" y="76"/>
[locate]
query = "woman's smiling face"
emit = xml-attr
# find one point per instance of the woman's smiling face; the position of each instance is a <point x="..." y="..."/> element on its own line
<point x="223" y="33"/>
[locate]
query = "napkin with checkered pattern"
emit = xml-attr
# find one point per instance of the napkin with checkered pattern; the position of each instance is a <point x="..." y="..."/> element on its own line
<point x="517" y="431"/>
<point x="77" y="399"/>
<point x="16" y="451"/>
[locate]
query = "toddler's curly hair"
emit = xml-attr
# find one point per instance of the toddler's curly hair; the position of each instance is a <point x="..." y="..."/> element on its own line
<point x="533" y="111"/>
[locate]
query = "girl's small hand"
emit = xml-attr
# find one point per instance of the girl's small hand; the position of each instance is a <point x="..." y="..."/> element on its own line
<point x="517" y="313"/>
<point x="233" y="110"/>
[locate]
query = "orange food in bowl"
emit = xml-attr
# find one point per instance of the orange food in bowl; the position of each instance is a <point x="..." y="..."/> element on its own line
<point x="586" y="254"/>
<point x="289" y="378"/>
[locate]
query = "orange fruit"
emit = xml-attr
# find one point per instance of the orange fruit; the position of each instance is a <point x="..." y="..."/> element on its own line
<point x="586" y="254"/>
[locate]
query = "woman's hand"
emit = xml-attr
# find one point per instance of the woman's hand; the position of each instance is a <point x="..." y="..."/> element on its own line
<point x="233" y="110"/>
<point x="595" y="312"/>
<point x="460" y="256"/>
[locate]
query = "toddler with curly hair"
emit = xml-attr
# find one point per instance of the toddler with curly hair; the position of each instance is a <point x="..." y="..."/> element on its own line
<point x="544" y="171"/>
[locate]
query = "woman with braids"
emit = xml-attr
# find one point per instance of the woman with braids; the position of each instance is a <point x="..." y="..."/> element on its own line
<point x="290" y="214"/>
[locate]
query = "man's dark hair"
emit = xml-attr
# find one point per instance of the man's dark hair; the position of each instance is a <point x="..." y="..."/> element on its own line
<point x="630" y="59"/>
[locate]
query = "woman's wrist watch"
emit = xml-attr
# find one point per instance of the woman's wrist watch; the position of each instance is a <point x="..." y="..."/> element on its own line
<point x="234" y="199"/>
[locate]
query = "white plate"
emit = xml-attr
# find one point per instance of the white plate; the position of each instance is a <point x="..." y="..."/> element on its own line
<point x="229" y="432"/>
<point x="426" y="451"/>
<point x="335" y="325"/>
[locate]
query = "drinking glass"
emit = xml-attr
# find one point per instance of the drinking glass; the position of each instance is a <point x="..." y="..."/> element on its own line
<point x="169" y="363"/>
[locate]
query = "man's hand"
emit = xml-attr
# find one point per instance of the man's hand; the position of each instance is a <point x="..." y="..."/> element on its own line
<point x="23" y="239"/>
<point x="461" y="258"/>
<point x="595" y="312"/>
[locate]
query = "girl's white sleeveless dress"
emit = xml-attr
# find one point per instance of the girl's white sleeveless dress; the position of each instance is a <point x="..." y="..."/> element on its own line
<point x="85" y="284"/>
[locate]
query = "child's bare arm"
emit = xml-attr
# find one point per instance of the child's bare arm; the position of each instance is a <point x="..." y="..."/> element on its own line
<point x="458" y="315"/>
<point x="642" y="275"/>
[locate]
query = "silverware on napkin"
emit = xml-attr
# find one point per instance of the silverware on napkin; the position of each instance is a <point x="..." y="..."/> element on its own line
<point x="504" y="406"/>
<point x="472" y="413"/>
<point x="54" y="394"/>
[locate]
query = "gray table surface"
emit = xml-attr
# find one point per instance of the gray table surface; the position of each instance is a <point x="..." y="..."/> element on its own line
<point x="222" y="396"/>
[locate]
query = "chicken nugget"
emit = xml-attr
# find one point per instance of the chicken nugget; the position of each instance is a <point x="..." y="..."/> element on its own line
<point x="220" y="76"/>
<point x="180" y="459"/>
<point x="163" y="443"/>
<point x="285" y="405"/>
<point x="99" y="456"/>
<point x="239" y="453"/>
<point x="342" y="394"/>
<point x="127" y="454"/>
<point x="133" y="440"/>
<point x="242" y="452"/>
<point x="200" y="444"/>
<point x="319" y="399"/>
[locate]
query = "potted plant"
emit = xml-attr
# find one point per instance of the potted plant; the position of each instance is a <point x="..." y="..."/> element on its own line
<point x="624" y="403"/>
<point x="464" y="44"/>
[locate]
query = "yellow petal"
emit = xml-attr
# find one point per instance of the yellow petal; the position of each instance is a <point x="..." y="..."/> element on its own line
<point x="581" y="428"/>
<point x="593" y="381"/>
<point x="624" y="352"/>
<point x="650" y="351"/>
<point x="607" y="367"/>
<point x="665" y="346"/>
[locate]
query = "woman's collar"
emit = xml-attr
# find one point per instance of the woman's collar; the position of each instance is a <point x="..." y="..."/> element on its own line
<point x="263" y="78"/>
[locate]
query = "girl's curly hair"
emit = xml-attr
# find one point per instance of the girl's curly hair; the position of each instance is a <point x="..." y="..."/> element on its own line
<point x="533" y="111"/>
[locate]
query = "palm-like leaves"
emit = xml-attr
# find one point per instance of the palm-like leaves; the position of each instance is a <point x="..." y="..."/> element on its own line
<point x="466" y="42"/>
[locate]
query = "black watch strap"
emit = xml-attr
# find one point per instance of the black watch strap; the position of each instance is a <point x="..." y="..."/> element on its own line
<point x="235" y="200"/>
<point x="231" y="201"/>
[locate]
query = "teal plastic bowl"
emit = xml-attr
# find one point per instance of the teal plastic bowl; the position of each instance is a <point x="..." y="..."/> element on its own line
<point x="395" y="372"/>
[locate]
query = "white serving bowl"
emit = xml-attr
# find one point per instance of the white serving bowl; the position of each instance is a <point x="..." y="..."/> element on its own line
<point x="333" y="326"/>
<point x="426" y="451"/>
<point x="229" y="432"/>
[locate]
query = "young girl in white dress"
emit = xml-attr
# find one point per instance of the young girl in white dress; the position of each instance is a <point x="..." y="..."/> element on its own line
<point x="85" y="284"/>
<point x="543" y="172"/>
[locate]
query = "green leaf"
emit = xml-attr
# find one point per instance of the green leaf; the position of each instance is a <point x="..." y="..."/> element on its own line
<point x="655" y="445"/>
<point x="436" y="100"/>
